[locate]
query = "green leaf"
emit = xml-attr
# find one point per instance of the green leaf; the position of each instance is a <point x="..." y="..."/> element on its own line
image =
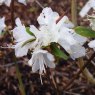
<point x="28" y="41"/>
<point x="28" y="31"/>
<point x="86" y="32"/>
<point x="57" y="52"/>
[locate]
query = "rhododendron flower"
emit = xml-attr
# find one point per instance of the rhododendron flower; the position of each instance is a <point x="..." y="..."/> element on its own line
<point x="92" y="44"/>
<point x="40" y="60"/>
<point x="90" y="4"/>
<point x="44" y="35"/>
<point x="2" y="24"/>
<point x="60" y="31"/>
<point x="47" y="34"/>
<point x="48" y="17"/>
<point x="21" y="36"/>
<point x="50" y="27"/>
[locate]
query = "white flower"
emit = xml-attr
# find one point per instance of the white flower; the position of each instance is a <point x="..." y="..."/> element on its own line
<point x="21" y="36"/>
<point x="22" y="1"/>
<point x="48" y="18"/>
<point x="50" y="27"/>
<point x="71" y="43"/>
<point x="92" y="44"/>
<point x="66" y="37"/>
<point x="2" y="24"/>
<point x="90" y="4"/>
<point x="60" y="33"/>
<point x="41" y="59"/>
<point x="44" y="36"/>
<point x="6" y="2"/>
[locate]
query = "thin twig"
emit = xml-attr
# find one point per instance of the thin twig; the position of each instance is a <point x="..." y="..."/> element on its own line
<point x="21" y="85"/>
<point x="12" y="14"/>
<point x="91" y="61"/>
<point x="86" y="72"/>
<point x="71" y="93"/>
<point x="52" y="82"/>
<point x="39" y="4"/>
<point x="74" y="11"/>
<point x="80" y="71"/>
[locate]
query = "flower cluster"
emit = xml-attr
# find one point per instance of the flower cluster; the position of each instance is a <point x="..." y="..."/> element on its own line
<point x="52" y="29"/>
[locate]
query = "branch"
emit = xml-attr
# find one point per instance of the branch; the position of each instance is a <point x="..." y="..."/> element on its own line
<point x="86" y="72"/>
<point x="79" y="72"/>
<point x="74" y="12"/>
